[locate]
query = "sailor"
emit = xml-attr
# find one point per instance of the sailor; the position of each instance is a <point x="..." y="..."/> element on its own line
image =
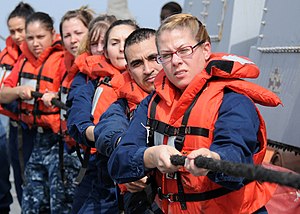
<point x="8" y="57"/>
<point x="140" y="54"/>
<point x="100" y="93"/>
<point x="39" y="69"/>
<point x="200" y="107"/>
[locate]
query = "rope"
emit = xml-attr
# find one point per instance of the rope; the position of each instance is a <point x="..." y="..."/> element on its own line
<point x="248" y="171"/>
<point x="54" y="101"/>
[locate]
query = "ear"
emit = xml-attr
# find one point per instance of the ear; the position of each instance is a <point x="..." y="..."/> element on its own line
<point x="128" y="70"/>
<point x="53" y="34"/>
<point x="105" y="53"/>
<point x="207" y="50"/>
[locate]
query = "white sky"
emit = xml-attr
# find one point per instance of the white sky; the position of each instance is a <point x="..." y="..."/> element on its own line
<point x="146" y="12"/>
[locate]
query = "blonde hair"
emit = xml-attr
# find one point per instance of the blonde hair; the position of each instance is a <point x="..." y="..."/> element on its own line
<point x="97" y="27"/>
<point x="186" y="21"/>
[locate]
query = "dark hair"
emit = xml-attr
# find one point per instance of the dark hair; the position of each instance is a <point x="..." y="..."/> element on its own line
<point x="117" y="23"/>
<point x="138" y="36"/>
<point x="172" y="7"/>
<point x="84" y="14"/>
<point x="41" y="17"/>
<point x="22" y="10"/>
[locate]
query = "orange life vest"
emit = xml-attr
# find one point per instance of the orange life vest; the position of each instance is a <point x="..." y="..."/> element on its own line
<point x="8" y="57"/>
<point x="84" y="63"/>
<point x="131" y="92"/>
<point x="196" y="131"/>
<point x="71" y="71"/>
<point x="109" y="79"/>
<point x="42" y="74"/>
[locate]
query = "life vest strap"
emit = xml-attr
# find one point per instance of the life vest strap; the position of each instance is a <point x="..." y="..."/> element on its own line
<point x="174" y="197"/>
<point x="37" y="112"/>
<point x="192" y="197"/>
<point x="106" y="81"/>
<point x="33" y="76"/>
<point x="6" y="67"/>
<point x="168" y="130"/>
<point x="64" y="90"/>
<point x="84" y="164"/>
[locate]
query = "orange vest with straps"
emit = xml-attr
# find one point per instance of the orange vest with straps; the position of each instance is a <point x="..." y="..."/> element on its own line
<point x="8" y="57"/>
<point x="110" y="79"/>
<point x="131" y="92"/>
<point x="84" y="63"/>
<point x="42" y="74"/>
<point x="199" y="106"/>
<point x="71" y="71"/>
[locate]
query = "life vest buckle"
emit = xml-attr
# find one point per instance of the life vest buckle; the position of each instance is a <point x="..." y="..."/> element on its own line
<point x="162" y="196"/>
<point x="179" y="141"/>
<point x="171" y="176"/>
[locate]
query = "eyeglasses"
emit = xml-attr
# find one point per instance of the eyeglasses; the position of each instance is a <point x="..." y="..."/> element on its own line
<point x="182" y="52"/>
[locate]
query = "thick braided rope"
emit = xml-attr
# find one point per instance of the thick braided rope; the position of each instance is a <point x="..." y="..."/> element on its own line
<point x="247" y="171"/>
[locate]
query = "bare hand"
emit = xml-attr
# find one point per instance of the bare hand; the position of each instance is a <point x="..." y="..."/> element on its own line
<point x="190" y="164"/>
<point x="159" y="156"/>
<point x="24" y="92"/>
<point x="47" y="97"/>
<point x="137" y="186"/>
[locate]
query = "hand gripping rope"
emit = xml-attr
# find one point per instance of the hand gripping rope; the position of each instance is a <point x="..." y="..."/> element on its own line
<point x="54" y="101"/>
<point x="247" y="171"/>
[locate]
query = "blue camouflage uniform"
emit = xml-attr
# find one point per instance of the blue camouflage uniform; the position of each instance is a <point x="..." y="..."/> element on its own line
<point x="5" y="195"/>
<point x="20" y="152"/>
<point x="44" y="166"/>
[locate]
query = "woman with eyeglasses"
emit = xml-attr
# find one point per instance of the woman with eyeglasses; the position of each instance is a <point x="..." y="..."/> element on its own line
<point x="200" y="107"/>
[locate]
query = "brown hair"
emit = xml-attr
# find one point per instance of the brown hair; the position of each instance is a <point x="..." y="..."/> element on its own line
<point x="97" y="27"/>
<point x="84" y="14"/>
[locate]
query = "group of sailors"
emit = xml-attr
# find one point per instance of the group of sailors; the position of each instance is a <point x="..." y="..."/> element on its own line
<point x="131" y="97"/>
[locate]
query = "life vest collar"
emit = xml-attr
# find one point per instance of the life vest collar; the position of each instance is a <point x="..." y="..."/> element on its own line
<point x="101" y="67"/>
<point x="12" y="48"/>
<point x="131" y="91"/>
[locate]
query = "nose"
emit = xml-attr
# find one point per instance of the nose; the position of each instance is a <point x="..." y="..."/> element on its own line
<point x="35" y="42"/>
<point x="17" y="35"/>
<point x="147" y="68"/>
<point x="175" y="59"/>
<point x="122" y="46"/>
<point x="73" y="39"/>
<point x="100" y="47"/>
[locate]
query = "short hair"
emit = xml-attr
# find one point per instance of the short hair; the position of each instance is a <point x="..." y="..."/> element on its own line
<point x="138" y="36"/>
<point x="172" y="7"/>
<point x="186" y="21"/>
